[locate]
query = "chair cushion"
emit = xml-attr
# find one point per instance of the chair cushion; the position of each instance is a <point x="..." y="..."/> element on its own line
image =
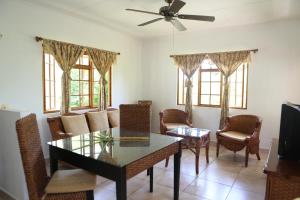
<point x="171" y="126"/>
<point x="75" y="180"/>
<point x="98" y="120"/>
<point x="114" y="118"/>
<point x="75" y="124"/>
<point x="235" y="135"/>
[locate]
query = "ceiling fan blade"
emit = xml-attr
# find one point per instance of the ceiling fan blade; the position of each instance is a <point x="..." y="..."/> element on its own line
<point x="178" y="25"/>
<point x="197" y="17"/>
<point x="176" y="6"/>
<point x="149" y="22"/>
<point x="142" y="11"/>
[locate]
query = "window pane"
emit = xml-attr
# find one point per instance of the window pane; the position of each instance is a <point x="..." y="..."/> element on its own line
<point x="240" y="74"/>
<point x="215" y="76"/>
<point x="239" y="89"/>
<point x="85" y="60"/>
<point x="74" y="87"/>
<point x="52" y="89"/>
<point x="232" y="101"/>
<point x="96" y="88"/>
<point x="47" y="103"/>
<point x="85" y="87"/>
<point x="96" y="75"/>
<point x="233" y="78"/>
<point x="75" y="74"/>
<point x="47" y="88"/>
<point x="205" y="88"/>
<point x="180" y="87"/>
<point x="238" y="101"/>
<point x="75" y="101"/>
<point x="205" y="99"/>
<point x="215" y="100"/>
<point x="195" y="80"/>
<point x="205" y="76"/>
<point x="85" y="74"/>
<point x="232" y="89"/>
<point x="215" y="88"/>
<point x="47" y="75"/>
<point x="95" y="100"/>
<point x="47" y="56"/>
<point x="85" y="101"/>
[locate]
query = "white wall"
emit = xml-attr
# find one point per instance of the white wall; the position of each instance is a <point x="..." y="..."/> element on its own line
<point x="273" y="74"/>
<point x="21" y="56"/>
<point x="12" y="178"/>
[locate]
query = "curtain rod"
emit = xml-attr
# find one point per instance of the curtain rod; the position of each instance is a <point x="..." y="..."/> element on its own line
<point x="38" y="39"/>
<point x="253" y="50"/>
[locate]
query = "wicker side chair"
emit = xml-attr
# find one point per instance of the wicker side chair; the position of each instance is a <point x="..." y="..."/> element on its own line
<point x="173" y="118"/>
<point x="240" y="131"/>
<point x="64" y="184"/>
<point x="135" y="117"/>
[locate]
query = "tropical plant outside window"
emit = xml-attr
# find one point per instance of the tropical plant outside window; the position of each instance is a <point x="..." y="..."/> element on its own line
<point x="84" y="89"/>
<point x="207" y="86"/>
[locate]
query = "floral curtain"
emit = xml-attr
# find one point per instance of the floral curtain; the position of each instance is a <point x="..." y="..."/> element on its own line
<point x="66" y="56"/>
<point x="228" y="62"/>
<point x="189" y="65"/>
<point x="103" y="60"/>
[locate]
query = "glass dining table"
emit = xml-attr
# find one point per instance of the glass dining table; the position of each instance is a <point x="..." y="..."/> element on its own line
<point x="118" y="155"/>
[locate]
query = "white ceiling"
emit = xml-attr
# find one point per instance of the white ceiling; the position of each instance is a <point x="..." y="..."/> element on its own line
<point x="227" y="12"/>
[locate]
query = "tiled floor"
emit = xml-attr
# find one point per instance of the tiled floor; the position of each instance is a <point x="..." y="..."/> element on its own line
<point x="223" y="178"/>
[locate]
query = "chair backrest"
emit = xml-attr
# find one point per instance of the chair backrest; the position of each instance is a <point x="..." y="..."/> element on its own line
<point x="135" y="117"/>
<point x="173" y="116"/>
<point x="56" y="126"/>
<point x="244" y="123"/>
<point x="32" y="156"/>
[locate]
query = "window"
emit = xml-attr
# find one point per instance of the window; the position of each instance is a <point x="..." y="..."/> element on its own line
<point x="207" y="86"/>
<point x="84" y="89"/>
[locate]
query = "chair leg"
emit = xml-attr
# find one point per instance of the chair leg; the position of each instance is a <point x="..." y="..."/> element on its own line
<point x="167" y="162"/>
<point x="257" y="155"/>
<point x="247" y="157"/>
<point x="218" y="147"/>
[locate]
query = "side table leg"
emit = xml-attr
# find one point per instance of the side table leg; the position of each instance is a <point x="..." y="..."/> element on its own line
<point x="207" y="152"/>
<point x="197" y="153"/>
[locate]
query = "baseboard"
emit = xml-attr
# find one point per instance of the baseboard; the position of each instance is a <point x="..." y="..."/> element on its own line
<point x="7" y="193"/>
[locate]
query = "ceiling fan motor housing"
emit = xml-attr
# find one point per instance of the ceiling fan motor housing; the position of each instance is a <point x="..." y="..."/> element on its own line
<point x="165" y="11"/>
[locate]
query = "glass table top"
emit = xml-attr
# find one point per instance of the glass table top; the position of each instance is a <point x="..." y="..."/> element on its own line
<point x="126" y="147"/>
<point x="189" y="132"/>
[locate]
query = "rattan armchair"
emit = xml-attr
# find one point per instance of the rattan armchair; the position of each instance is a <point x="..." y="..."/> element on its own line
<point x="173" y="118"/>
<point x="135" y="117"/>
<point x="64" y="184"/>
<point x="240" y="131"/>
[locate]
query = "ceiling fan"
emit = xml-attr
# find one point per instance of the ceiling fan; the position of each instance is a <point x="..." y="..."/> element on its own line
<point x="170" y="14"/>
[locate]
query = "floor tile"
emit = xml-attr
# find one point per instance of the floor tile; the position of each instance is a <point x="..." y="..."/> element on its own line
<point x="250" y="183"/>
<point x="208" y="189"/>
<point x="237" y="194"/>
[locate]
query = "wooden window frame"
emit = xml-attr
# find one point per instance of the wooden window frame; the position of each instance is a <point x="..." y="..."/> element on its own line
<point x="199" y="104"/>
<point x="91" y="81"/>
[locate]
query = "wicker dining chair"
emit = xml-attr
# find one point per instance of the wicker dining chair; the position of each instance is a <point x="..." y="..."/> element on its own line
<point x="64" y="184"/>
<point x="135" y="117"/>
<point x="240" y="131"/>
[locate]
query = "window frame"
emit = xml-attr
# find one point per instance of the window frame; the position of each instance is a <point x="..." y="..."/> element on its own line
<point x="91" y="81"/>
<point x="221" y="89"/>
